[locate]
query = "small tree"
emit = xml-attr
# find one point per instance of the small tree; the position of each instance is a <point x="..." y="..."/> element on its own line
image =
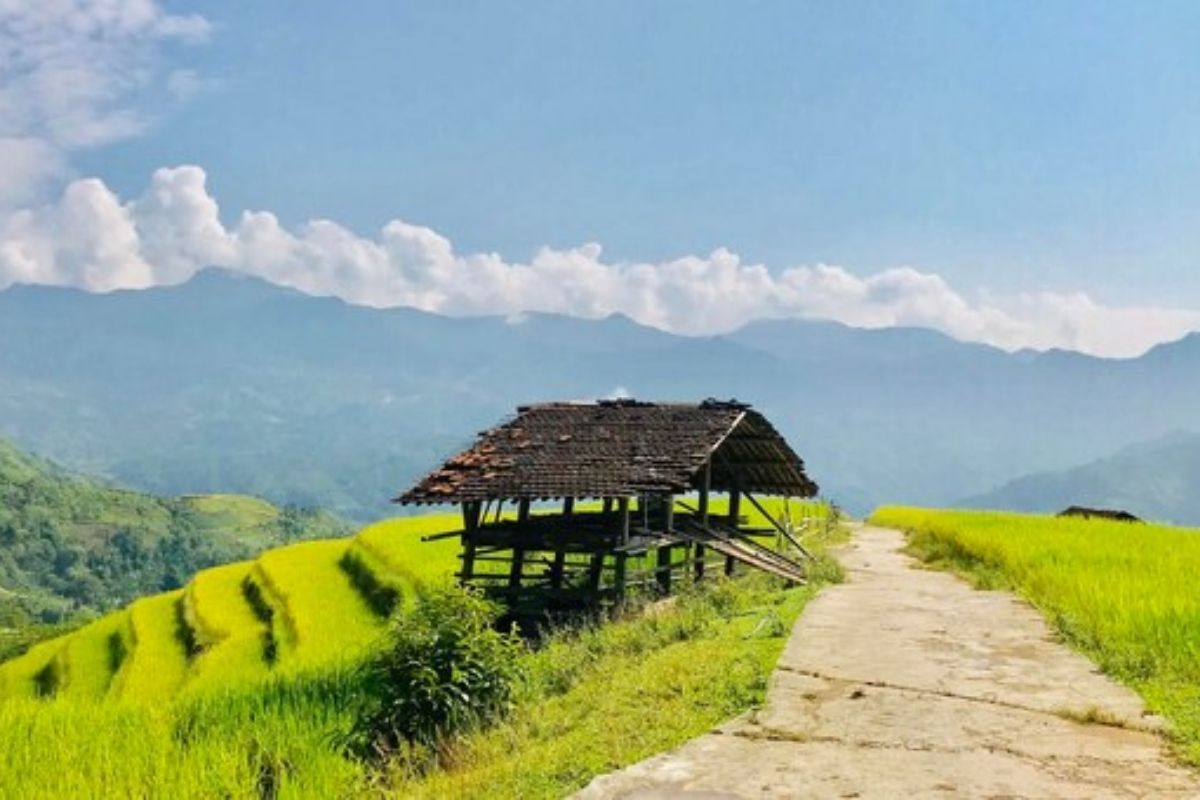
<point x="446" y="670"/>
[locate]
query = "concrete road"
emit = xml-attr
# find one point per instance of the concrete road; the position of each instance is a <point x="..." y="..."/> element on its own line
<point x="904" y="683"/>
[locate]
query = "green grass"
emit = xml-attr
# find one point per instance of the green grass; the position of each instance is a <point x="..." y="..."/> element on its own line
<point x="91" y="658"/>
<point x="1127" y="595"/>
<point x="230" y="634"/>
<point x="397" y="544"/>
<point x="18" y="678"/>
<point x="329" y="619"/>
<point x="157" y="664"/>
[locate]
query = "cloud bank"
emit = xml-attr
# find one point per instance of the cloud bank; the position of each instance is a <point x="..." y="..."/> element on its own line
<point x="92" y="239"/>
<point x="71" y="75"/>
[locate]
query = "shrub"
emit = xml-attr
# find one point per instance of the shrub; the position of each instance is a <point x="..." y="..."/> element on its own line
<point x="444" y="671"/>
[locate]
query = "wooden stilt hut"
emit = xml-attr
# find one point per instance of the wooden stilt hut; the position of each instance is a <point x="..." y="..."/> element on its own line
<point x="569" y="505"/>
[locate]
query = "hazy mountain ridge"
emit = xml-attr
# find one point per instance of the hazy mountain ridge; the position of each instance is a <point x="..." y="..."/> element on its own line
<point x="1156" y="480"/>
<point x="227" y="383"/>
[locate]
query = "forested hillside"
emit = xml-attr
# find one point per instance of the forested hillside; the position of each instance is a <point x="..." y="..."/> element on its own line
<point x="71" y="546"/>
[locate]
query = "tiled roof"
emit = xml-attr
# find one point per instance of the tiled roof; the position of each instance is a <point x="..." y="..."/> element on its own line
<point x="618" y="449"/>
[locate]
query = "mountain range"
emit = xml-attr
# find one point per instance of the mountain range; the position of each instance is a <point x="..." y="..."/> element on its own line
<point x="228" y="383"/>
<point x="1156" y="480"/>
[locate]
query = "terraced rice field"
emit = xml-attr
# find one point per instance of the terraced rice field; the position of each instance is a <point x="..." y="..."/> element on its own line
<point x="294" y="609"/>
<point x="306" y="607"/>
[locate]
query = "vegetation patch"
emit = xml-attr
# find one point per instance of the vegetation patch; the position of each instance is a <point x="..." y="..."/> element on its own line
<point x="1126" y="595"/>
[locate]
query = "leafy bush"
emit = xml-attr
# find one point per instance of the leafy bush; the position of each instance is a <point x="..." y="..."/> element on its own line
<point x="446" y="670"/>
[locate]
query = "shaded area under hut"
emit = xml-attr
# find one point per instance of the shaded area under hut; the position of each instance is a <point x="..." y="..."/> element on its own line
<point x="571" y="505"/>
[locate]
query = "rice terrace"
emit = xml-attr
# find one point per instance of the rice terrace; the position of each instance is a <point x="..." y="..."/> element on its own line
<point x="609" y="400"/>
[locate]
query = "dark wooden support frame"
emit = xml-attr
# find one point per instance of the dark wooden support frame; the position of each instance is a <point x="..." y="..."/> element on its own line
<point x="543" y="563"/>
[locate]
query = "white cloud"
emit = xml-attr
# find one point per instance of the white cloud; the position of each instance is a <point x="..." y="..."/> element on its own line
<point x="91" y="239"/>
<point x="71" y="73"/>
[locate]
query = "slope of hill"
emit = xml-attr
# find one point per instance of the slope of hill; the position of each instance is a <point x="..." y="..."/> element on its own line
<point x="71" y="545"/>
<point x="291" y="609"/>
<point x="227" y="383"/>
<point x="294" y="609"/>
<point x="1156" y="480"/>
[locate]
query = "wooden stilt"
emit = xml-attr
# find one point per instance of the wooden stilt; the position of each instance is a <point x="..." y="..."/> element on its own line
<point x="518" y="554"/>
<point x="735" y="515"/>
<point x="595" y="572"/>
<point x="705" y="490"/>
<point x="623" y="506"/>
<point x="557" y="569"/>
<point x="663" y="572"/>
<point x="470" y="512"/>
<point x="619" y="580"/>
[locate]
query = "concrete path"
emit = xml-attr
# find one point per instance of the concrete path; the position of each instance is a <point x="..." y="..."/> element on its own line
<point x="904" y="683"/>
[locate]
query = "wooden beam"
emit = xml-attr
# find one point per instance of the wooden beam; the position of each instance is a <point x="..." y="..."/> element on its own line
<point x="782" y="530"/>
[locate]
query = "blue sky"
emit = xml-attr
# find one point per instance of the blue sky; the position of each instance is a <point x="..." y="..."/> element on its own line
<point x="1006" y="148"/>
<point x="1054" y="145"/>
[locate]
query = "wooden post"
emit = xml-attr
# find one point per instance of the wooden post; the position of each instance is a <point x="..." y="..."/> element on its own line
<point x="560" y="553"/>
<point x="735" y="513"/>
<point x="620" y="576"/>
<point x="518" y="554"/>
<point x="623" y="507"/>
<point x="669" y="524"/>
<point x="663" y="572"/>
<point x="595" y="570"/>
<point x="698" y="563"/>
<point x="470" y="514"/>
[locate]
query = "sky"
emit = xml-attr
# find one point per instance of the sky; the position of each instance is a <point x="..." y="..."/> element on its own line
<point x="1023" y="174"/>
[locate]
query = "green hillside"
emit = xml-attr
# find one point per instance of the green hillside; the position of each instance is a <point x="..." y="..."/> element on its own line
<point x="72" y="546"/>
